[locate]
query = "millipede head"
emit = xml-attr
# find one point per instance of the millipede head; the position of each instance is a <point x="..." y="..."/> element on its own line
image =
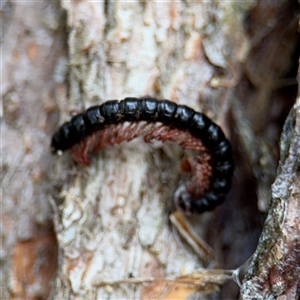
<point x="63" y="139"/>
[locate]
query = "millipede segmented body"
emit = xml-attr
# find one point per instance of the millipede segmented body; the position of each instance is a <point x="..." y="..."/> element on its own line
<point x="211" y="164"/>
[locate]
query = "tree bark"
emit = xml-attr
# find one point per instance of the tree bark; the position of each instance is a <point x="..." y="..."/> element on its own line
<point x="33" y="69"/>
<point x="111" y="219"/>
<point x="274" y="271"/>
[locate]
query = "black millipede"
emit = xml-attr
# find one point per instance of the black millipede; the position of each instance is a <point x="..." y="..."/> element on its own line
<point x="210" y="165"/>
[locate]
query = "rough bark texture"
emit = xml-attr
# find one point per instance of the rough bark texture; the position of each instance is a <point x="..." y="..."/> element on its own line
<point x="230" y="60"/>
<point x="33" y="67"/>
<point x="274" y="271"/>
<point x="114" y="216"/>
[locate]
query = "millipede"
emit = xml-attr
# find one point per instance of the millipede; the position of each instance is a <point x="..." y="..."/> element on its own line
<point x="209" y="156"/>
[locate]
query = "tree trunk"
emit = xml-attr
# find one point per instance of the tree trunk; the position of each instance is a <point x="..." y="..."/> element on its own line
<point x="112" y="230"/>
<point x="274" y="270"/>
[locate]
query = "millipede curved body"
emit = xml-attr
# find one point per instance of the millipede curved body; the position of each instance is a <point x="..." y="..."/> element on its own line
<point x="211" y="165"/>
